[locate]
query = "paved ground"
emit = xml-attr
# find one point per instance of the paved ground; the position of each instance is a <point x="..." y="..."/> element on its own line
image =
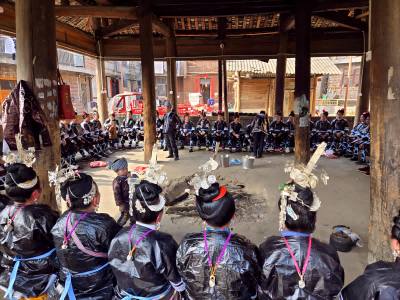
<point x="345" y="200"/>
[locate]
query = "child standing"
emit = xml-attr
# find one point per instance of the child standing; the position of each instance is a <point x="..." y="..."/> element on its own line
<point x="113" y="135"/>
<point x="121" y="189"/>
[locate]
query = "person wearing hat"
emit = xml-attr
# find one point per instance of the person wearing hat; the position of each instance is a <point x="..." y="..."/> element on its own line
<point x="216" y="263"/>
<point x="25" y="235"/>
<point x="140" y="131"/>
<point x="235" y="133"/>
<point x="93" y="135"/>
<point x="172" y="123"/>
<point x="276" y="130"/>
<point x="259" y="126"/>
<point x="354" y="134"/>
<point x="203" y="131"/>
<point x="289" y="132"/>
<point x="186" y="133"/>
<point x="143" y="258"/>
<point x="340" y="127"/>
<point x="82" y="238"/>
<point x="323" y="131"/>
<point x="219" y="131"/>
<point x="121" y="188"/>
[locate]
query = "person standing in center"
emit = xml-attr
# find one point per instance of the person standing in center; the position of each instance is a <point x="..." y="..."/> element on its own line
<point x="259" y="127"/>
<point x="172" y="123"/>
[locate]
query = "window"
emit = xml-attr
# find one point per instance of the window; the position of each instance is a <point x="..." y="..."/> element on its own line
<point x="162" y="87"/>
<point x="354" y="76"/>
<point x="7" y="85"/>
<point x="125" y="82"/>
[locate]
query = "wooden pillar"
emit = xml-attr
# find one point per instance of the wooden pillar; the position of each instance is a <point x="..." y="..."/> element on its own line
<point x="313" y="104"/>
<point x="385" y="124"/>
<point x="171" y="66"/>
<point x="302" y="77"/>
<point x="37" y="60"/>
<point x="346" y="97"/>
<point x="220" y="85"/>
<point x="363" y="100"/>
<point x="271" y="107"/>
<point x="226" y="93"/>
<point x="267" y="97"/>
<point x="291" y="102"/>
<point x="148" y="81"/>
<point x="239" y="102"/>
<point x="101" y="80"/>
<point x="281" y="69"/>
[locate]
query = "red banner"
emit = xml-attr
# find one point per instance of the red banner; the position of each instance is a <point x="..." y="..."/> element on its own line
<point x="212" y="88"/>
<point x="204" y="75"/>
<point x="197" y="85"/>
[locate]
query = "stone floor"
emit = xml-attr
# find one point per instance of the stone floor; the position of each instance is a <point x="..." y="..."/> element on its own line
<point x="345" y="200"/>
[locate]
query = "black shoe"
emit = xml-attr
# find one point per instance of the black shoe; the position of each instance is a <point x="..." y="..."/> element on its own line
<point x="354" y="158"/>
<point x="190" y="150"/>
<point x="182" y="147"/>
<point x="85" y="158"/>
<point x="347" y="154"/>
<point x="176" y="158"/>
<point x="165" y="149"/>
<point x="104" y="154"/>
<point x="98" y="156"/>
<point x="361" y="162"/>
<point x="170" y="156"/>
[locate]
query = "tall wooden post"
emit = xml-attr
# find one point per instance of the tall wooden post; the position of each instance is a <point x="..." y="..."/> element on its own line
<point x="346" y="97"/>
<point x="364" y="87"/>
<point x="220" y="85"/>
<point x="37" y="60"/>
<point x="302" y="77"/>
<point x="239" y="100"/>
<point x="313" y="103"/>
<point x="226" y="110"/>
<point x="101" y="80"/>
<point x="148" y="84"/>
<point x="281" y="69"/>
<point x="385" y="124"/>
<point x="171" y="66"/>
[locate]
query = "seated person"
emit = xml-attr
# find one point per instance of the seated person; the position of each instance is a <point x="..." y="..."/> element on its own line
<point x="216" y="264"/>
<point x="340" y="127"/>
<point x="219" y="131"/>
<point x="381" y="280"/>
<point x="140" y="131"/>
<point x="25" y="236"/>
<point x="186" y="133"/>
<point x="235" y="134"/>
<point x="323" y="131"/>
<point x="159" y="130"/>
<point x="142" y="258"/>
<point x="203" y="131"/>
<point x="82" y="238"/>
<point x="248" y="138"/>
<point x="347" y="139"/>
<point x="276" y="130"/>
<point x="294" y="264"/>
<point x="289" y="132"/>
<point x="127" y="130"/>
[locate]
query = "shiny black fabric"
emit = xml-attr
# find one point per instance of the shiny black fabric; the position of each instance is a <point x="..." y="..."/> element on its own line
<point x="377" y="278"/>
<point x="279" y="279"/>
<point x="23" y="114"/>
<point x="95" y="231"/>
<point x="121" y="192"/>
<point x="153" y="266"/>
<point x="174" y="123"/>
<point x="31" y="237"/>
<point x="236" y="276"/>
<point x="323" y="126"/>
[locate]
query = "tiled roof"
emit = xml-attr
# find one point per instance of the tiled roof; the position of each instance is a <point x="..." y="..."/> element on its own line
<point x="319" y="65"/>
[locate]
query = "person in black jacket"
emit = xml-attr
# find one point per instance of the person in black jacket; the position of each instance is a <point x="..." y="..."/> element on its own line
<point x="259" y="127"/>
<point x="127" y="130"/>
<point x="248" y="138"/>
<point x="82" y="238"/>
<point x="294" y="264"/>
<point x="108" y="123"/>
<point x="340" y="127"/>
<point x="236" y="133"/>
<point x="355" y="133"/>
<point x="381" y="280"/>
<point x="143" y="258"/>
<point x="203" y="131"/>
<point x="187" y="132"/>
<point x="216" y="264"/>
<point x="323" y="131"/>
<point x="219" y="131"/>
<point x="92" y="135"/>
<point x="103" y="135"/>
<point x="172" y="123"/>
<point x="78" y="134"/>
<point x="289" y="132"/>
<point x="139" y="130"/>
<point x="276" y="130"/>
<point x="69" y="148"/>
<point x="159" y="130"/>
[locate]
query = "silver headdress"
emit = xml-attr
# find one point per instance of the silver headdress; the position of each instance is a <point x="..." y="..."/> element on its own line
<point x="26" y="157"/>
<point x="57" y="177"/>
<point x="302" y="176"/>
<point x="205" y="179"/>
<point x="154" y="175"/>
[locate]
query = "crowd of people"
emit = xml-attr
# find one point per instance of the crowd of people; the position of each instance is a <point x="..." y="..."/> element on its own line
<point x="257" y="137"/>
<point x="83" y="254"/>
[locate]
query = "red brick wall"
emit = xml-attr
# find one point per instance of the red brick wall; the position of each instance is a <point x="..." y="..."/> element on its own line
<point x="6" y="72"/>
<point x="90" y="63"/>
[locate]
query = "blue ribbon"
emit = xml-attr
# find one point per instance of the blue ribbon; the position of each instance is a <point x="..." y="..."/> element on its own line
<point x="129" y="296"/>
<point x="68" y="289"/>
<point x="13" y="276"/>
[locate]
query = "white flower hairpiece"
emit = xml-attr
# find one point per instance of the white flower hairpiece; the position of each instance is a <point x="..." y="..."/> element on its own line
<point x="57" y="177"/>
<point x="26" y="157"/>
<point x="205" y="179"/>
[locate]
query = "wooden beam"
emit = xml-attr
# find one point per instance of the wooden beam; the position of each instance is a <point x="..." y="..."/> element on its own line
<point x="183" y="23"/>
<point x="343" y="20"/>
<point x="196" y="23"/>
<point x="266" y="21"/>
<point x="226" y="110"/>
<point x="203" y="24"/>
<point x="160" y="26"/>
<point x="230" y="23"/>
<point x="120" y="12"/>
<point x="251" y="22"/>
<point x="273" y="21"/>
<point x="281" y="67"/>
<point x="81" y="2"/>
<point x="258" y="21"/>
<point x="289" y="21"/>
<point x="189" y="24"/>
<point x="222" y="28"/>
<point x="229" y="32"/>
<point x="64" y="2"/>
<point x="363" y="99"/>
<point x="209" y="23"/>
<point x="171" y="68"/>
<point x="360" y="16"/>
<point x="220" y="84"/>
<point x="114" y="28"/>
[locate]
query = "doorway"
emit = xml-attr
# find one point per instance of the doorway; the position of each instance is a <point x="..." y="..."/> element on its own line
<point x="205" y="89"/>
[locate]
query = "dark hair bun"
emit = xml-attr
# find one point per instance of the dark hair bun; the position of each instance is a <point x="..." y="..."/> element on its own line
<point x="76" y="187"/>
<point x="396" y="228"/>
<point x="208" y="195"/>
<point x="306" y="195"/>
<point x="20" y="173"/>
<point x="148" y="191"/>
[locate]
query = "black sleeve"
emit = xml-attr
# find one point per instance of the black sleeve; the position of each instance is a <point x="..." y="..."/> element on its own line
<point x="112" y="231"/>
<point x="168" y="257"/>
